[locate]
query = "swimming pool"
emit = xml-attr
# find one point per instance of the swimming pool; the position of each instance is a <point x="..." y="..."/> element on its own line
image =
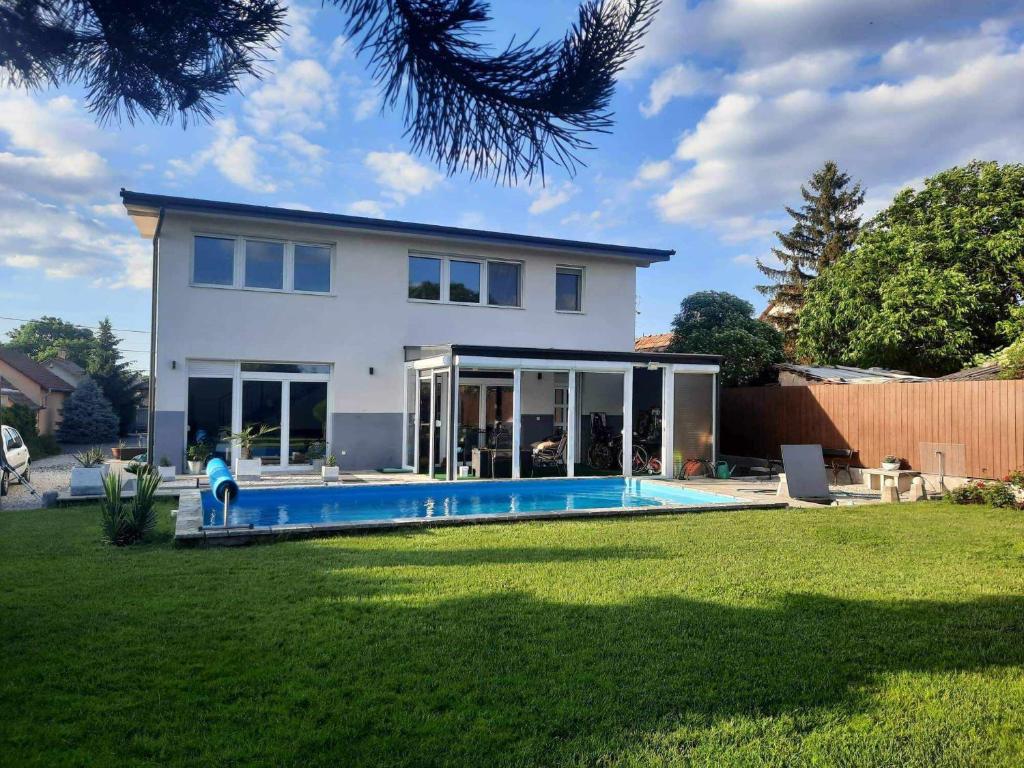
<point x="465" y="500"/>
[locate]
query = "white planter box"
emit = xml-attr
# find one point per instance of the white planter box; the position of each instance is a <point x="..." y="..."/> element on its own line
<point x="249" y="468"/>
<point x="329" y="473"/>
<point x="167" y="473"/>
<point x="195" y="467"/>
<point x="890" y="466"/>
<point x="88" y="481"/>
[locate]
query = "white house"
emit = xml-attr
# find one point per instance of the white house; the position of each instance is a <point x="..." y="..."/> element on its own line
<point x="362" y="333"/>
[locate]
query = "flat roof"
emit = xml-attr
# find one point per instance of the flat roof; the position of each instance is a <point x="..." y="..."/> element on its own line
<point x="145" y="208"/>
<point x="545" y="353"/>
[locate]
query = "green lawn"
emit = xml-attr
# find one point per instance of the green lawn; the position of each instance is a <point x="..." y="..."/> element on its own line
<point x="889" y="636"/>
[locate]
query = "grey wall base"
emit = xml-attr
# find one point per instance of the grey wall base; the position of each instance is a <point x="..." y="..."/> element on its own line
<point x="369" y="440"/>
<point x="169" y="438"/>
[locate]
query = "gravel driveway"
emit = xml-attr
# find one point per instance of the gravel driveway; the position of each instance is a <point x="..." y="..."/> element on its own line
<point x="50" y="474"/>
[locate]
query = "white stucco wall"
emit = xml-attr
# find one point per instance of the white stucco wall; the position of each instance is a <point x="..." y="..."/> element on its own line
<point x="368" y="320"/>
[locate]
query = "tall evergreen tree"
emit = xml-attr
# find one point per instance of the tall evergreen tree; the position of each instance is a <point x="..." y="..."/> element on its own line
<point x="824" y="228"/>
<point x="114" y="375"/>
<point x="87" y="416"/>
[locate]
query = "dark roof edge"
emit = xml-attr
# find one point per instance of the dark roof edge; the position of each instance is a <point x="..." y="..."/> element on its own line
<point x="417" y="353"/>
<point x="391" y="226"/>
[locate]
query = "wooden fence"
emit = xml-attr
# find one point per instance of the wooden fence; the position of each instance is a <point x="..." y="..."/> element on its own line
<point x="985" y="417"/>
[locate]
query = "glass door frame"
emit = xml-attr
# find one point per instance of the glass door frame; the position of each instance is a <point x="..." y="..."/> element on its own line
<point x="285" y="379"/>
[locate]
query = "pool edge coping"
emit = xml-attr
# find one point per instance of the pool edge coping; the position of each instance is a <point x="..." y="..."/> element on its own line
<point x="189" y="530"/>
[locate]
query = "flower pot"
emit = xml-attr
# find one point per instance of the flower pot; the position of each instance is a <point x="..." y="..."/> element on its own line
<point x="890" y="466"/>
<point x="249" y="468"/>
<point x="195" y="467"/>
<point x="329" y="473"/>
<point x="88" y="481"/>
<point x="125" y="454"/>
<point x="167" y="473"/>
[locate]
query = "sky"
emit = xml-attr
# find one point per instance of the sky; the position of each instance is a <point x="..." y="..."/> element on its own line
<point x="731" y="105"/>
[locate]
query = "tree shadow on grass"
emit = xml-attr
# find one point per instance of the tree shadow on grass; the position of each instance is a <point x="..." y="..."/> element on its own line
<point x="506" y="678"/>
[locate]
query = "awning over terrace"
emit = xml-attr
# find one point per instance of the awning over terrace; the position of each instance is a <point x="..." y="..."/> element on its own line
<point x="525" y="412"/>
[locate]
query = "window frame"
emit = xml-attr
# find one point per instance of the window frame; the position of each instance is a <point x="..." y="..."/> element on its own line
<point x="483" y="261"/>
<point x="239" y="264"/>
<point x="285" y="258"/>
<point x="582" y="272"/>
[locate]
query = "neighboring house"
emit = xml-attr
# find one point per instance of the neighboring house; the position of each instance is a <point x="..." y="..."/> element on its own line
<point x="41" y="386"/>
<point x="67" y="369"/>
<point x="10" y="396"/>
<point x="981" y="373"/>
<point x="658" y="342"/>
<point x="141" y="386"/>
<point x="403" y="344"/>
<point x="791" y="375"/>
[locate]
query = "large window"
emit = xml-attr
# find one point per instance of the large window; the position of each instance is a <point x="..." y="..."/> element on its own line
<point x="569" y="289"/>
<point x="460" y="280"/>
<point x="312" y="268"/>
<point x="209" y="414"/>
<point x="424" y="278"/>
<point x="214" y="261"/>
<point x="262" y="264"/>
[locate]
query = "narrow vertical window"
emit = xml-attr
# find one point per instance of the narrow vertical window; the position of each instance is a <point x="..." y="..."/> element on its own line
<point x="264" y="264"/>
<point x="569" y="289"/>
<point x="312" y="268"/>
<point x="464" y="281"/>
<point x="424" y="278"/>
<point x="503" y="284"/>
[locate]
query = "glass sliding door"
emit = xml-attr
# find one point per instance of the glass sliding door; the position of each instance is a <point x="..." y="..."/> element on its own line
<point x="440" y="431"/>
<point x="261" y="405"/>
<point x="423" y="430"/>
<point x="209" y="414"/>
<point x="307" y="421"/>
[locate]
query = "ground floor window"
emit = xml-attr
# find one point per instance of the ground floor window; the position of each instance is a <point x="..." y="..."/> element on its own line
<point x="209" y="414"/>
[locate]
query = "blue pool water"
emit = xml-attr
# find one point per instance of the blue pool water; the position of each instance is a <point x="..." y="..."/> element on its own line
<point x="402" y="501"/>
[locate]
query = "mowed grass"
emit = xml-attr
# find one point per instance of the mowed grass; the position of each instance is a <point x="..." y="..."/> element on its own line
<point x="888" y="636"/>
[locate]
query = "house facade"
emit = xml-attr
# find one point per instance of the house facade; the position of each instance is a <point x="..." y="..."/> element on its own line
<point x="42" y="387"/>
<point x="323" y="328"/>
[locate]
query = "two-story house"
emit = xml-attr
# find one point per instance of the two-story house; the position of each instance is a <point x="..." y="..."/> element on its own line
<point x="399" y="344"/>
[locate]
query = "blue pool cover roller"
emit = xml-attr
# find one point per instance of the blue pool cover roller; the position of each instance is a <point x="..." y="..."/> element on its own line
<point x="221" y="481"/>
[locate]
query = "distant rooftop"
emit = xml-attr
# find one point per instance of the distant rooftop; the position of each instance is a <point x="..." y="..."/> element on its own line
<point x="28" y="367"/>
<point x="16" y="397"/>
<point x="844" y="374"/>
<point x="656" y="342"/>
<point x="145" y="210"/>
<point x="981" y="373"/>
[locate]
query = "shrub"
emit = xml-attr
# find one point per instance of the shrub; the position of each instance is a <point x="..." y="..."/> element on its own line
<point x="91" y="457"/>
<point x="968" y="493"/>
<point x="127" y="522"/>
<point x="87" y="416"/>
<point x="1015" y="478"/>
<point x="43" y="446"/>
<point x="23" y="419"/>
<point x="999" y="495"/>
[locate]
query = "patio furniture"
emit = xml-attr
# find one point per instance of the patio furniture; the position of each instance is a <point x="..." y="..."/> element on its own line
<point x="874" y="479"/>
<point x="805" y="472"/>
<point x="550" y="455"/>
<point x="838" y="460"/>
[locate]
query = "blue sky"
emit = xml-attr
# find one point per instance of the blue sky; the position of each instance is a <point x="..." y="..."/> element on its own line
<point x="731" y="105"/>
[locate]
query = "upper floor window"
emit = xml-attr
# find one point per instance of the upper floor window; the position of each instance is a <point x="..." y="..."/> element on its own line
<point x="569" y="289"/>
<point x="271" y="265"/>
<point x="214" y="261"/>
<point x="461" y="280"/>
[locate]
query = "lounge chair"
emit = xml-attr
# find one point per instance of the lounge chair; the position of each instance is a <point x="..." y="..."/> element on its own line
<point x="550" y="454"/>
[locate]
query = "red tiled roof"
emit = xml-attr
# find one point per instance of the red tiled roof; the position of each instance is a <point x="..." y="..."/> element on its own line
<point x="26" y="366"/>
<point x="657" y="342"/>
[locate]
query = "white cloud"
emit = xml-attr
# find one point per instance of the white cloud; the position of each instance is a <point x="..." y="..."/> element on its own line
<point x="401" y="174"/>
<point x="295" y="99"/>
<point x="300" y="38"/>
<point x="676" y="82"/>
<point x="818" y="69"/>
<point x="237" y="157"/>
<point x="749" y="153"/>
<point x="368" y="105"/>
<point x="549" y="198"/>
<point x="338" y="51"/>
<point x="744" y="259"/>
<point x="22" y="261"/>
<point x="653" y="171"/>
<point x="371" y="208"/>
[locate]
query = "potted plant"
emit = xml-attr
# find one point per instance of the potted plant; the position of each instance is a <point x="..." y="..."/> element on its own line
<point x="166" y="470"/>
<point x="245" y="439"/>
<point x="124" y="453"/>
<point x="315" y="453"/>
<point x="891" y="463"/>
<point x="198" y="454"/>
<point x="87" y="478"/>
<point x="329" y="471"/>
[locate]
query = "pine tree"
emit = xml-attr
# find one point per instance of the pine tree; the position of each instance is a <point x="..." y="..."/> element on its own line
<point x="825" y="227"/>
<point x="87" y="416"/>
<point x="114" y="376"/>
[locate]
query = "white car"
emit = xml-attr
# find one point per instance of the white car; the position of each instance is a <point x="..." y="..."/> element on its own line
<point x="16" y="454"/>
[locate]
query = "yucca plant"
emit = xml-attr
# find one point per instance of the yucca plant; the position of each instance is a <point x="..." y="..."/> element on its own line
<point x="114" y="513"/>
<point x="91" y="457"/>
<point x="141" y="513"/>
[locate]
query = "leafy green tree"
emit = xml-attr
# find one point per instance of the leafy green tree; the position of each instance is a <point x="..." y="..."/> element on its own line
<point x="824" y="228"/>
<point x="934" y="279"/>
<point x="87" y="416"/>
<point x="44" y="338"/>
<point x="719" y="323"/>
<point x="24" y="420"/>
<point x="114" y="375"/>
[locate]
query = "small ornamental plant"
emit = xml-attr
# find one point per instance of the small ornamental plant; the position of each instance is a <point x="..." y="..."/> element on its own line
<point x="1015" y="478"/>
<point x="890" y="459"/>
<point x="968" y="493"/>
<point x="999" y="494"/>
